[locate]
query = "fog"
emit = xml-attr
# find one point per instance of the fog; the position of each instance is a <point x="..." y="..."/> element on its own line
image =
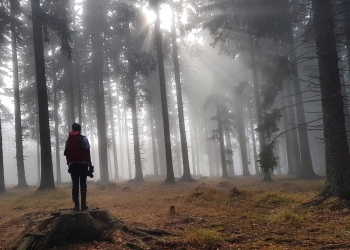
<point x="232" y="76"/>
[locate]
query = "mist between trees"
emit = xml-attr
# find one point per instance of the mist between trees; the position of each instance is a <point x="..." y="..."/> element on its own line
<point x="176" y="89"/>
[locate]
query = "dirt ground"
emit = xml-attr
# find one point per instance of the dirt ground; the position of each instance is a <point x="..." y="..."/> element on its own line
<point x="213" y="213"/>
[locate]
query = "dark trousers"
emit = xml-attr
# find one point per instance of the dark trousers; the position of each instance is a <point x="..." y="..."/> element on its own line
<point x="78" y="174"/>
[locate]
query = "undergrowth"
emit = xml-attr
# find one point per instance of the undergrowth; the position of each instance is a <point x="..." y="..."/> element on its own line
<point x="237" y="213"/>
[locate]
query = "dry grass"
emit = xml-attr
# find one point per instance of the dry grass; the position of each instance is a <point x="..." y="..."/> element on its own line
<point x="234" y="213"/>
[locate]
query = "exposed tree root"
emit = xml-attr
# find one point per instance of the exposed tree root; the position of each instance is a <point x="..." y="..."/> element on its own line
<point x="69" y="227"/>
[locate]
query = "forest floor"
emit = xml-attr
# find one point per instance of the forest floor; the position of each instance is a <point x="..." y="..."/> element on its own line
<point x="213" y="213"/>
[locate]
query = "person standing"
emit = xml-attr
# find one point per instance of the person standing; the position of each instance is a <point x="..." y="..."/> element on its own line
<point x="77" y="152"/>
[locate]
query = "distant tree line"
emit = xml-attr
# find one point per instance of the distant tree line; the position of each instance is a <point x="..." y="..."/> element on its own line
<point x="229" y="81"/>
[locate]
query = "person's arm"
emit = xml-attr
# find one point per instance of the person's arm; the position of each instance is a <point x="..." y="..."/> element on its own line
<point x="87" y="151"/>
<point x="88" y="156"/>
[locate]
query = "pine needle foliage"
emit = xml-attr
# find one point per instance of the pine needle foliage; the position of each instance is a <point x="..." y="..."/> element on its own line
<point x="266" y="158"/>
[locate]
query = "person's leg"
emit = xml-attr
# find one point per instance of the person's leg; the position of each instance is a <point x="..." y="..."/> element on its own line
<point x="74" y="172"/>
<point x="83" y="186"/>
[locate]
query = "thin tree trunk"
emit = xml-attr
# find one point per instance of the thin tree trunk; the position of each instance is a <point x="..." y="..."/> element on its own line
<point x="241" y="134"/>
<point x="305" y="155"/>
<point x="120" y="131"/>
<point x="209" y="153"/>
<point x="193" y="153"/>
<point x="169" y="161"/>
<point x="346" y="24"/>
<point x="22" y="183"/>
<point x="95" y="11"/>
<point x="252" y="132"/>
<point x="132" y="94"/>
<point x="111" y="120"/>
<point x="337" y="150"/>
<point x="89" y="114"/>
<point x="231" y="170"/>
<point x="186" y="177"/>
<point x="2" y="174"/>
<point x="55" y="113"/>
<point x="221" y="142"/>
<point x="289" y="141"/>
<point x="47" y="179"/>
<point x="262" y="142"/>
<point x="127" y="141"/>
<point x="80" y="103"/>
<point x="38" y="150"/>
<point x="154" y="146"/>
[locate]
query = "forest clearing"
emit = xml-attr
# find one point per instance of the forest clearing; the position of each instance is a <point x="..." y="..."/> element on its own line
<point x="213" y="213"/>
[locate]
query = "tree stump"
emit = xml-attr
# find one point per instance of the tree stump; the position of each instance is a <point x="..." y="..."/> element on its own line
<point x="172" y="210"/>
<point x="69" y="227"/>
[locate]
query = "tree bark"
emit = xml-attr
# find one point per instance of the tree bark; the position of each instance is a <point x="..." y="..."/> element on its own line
<point x="22" y="183"/>
<point x="127" y="140"/>
<point x="262" y="142"/>
<point x="221" y="141"/>
<point x="337" y="150"/>
<point x="47" y="179"/>
<point x="241" y="133"/>
<point x="252" y="132"/>
<point x="154" y="146"/>
<point x="305" y="155"/>
<point x="230" y="167"/>
<point x="55" y="113"/>
<point x="186" y="177"/>
<point x="111" y="120"/>
<point x="95" y="13"/>
<point x="132" y="94"/>
<point x="169" y="161"/>
<point x="2" y="174"/>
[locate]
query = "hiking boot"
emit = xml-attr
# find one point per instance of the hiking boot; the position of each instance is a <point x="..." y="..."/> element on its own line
<point x="76" y="206"/>
<point x="84" y="207"/>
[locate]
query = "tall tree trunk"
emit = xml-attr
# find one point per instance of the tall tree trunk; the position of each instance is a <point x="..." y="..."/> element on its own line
<point x="47" y="179"/>
<point x="186" y="177"/>
<point x="346" y="24"/>
<point x="291" y="159"/>
<point x="71" y="117"/>
<point x="193" y="152"/>
<point x="262" y="142"/>
<point x="80" y="103"/>
<point x="231" y="170"/>
<point x="91" y="127"/>
<point x="111" y="120"/>
<point x="127" y="140"/>
<point x="252" y="132"/>
<point x="305" y="155"/>
<point x="295" y="143"/>
<point x="2" y="174"/>
<point x="120" y="131"/>
<point x="38" y="150"/>
<point x="221" y="141"/>
<point x="96" y="13"/>
<point x="241" y="133"/>
<point x="154" y="146"/>
<point x="22" y="183"/>
<point x="169" y="161"/>
<point x="132" y="94"/>
<point x="337" y="150"/>
<point x="135" y="129"/>
<point x="55" y="113"/>
<point x="209" y="153"/>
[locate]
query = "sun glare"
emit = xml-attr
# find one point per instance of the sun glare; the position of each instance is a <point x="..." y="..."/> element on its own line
<point x="165" y="16"/>
<point x="150" y="15"/>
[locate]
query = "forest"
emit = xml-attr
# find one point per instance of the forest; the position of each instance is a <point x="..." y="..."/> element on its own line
<point x="177" y="91"/>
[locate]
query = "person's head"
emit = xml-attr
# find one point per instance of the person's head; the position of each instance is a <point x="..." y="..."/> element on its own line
<point x="76" y="127"/>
